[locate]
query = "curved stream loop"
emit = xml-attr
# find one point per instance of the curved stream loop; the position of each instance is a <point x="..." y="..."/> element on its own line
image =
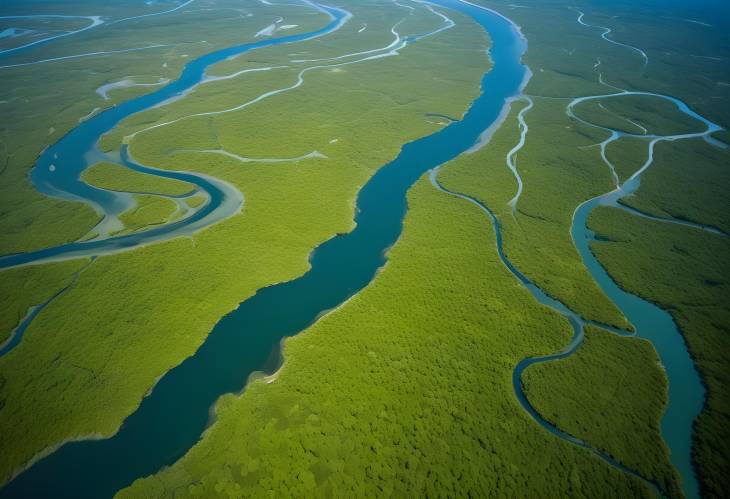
<point x="223" y="199"/>
<point x="57" y="170"/>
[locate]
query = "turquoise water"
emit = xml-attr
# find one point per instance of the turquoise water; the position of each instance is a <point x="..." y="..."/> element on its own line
<point x="686" y="392"/>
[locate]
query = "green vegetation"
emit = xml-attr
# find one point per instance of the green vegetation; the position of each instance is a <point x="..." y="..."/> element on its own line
<point x="150" y="210"/>
<point x="196" y="200"/>
<point x="688" y="181"/>
<point x="62" y="371"/>
<point x="596" y="111"/>
<point x="119" y="178"/>
<point x="61" y="221"/>
<point x="684" y="271"/>
<point x="639" y="114"/>
<point x="627" y="155"/>
<point x="611" y="393"/>
<point x="26" y="287"/>
<point x="405" y="390"/>
<point x="558" y="175"/>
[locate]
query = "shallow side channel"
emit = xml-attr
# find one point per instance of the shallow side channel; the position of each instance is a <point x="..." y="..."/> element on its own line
<point x="171" y="419"/>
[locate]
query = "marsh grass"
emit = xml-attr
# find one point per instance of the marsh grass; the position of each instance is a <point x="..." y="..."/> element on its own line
<point x="118" y="178"/>
<point x="150" y="210"/>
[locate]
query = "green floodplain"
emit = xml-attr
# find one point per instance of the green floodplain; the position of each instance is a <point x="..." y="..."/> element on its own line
<point x="406" y="389"/>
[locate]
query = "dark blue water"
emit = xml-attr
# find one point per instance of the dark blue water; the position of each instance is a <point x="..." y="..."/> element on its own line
<point x="171" y="419"/>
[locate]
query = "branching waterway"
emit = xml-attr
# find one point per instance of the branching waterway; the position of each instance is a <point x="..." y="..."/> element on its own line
<point x="686" y="393"/>
<point x="172" y="418"/>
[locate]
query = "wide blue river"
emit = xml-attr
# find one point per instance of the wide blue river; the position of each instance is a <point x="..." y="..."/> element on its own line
<point x="171" y="419"/>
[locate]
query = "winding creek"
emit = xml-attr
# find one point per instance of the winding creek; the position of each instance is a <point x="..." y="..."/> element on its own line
<point x="17" y="334"/>
<point x="58" y="168"/>
<point x="171" y="419"/>
<point x="577" y="323"/>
